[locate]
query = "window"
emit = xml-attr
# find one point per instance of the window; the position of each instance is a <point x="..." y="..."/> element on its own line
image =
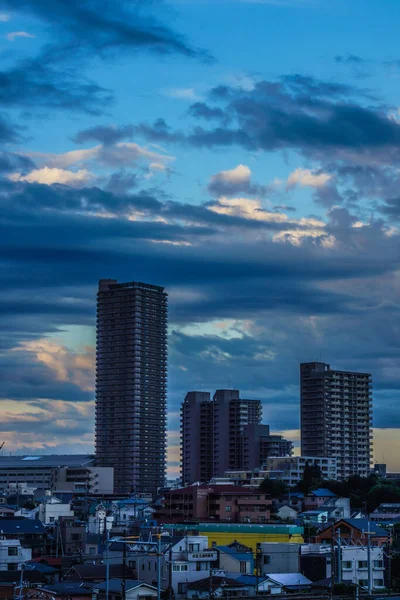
<point x="347" y="564"/>
<point x="75" y="537"/>
<point x="13" y="551"/>
<point x="266" y="559"/>
<point x="363" y="582"/>
<point x="182" y="587"/>
<point x="12" y="567"/>
<point x="178" y="568"/>
<point x="132" y="564"/>
<point x="228" y="508"/>
<point x="378" y="564"/>
<point x="363" y="564"/>
<point x="378" y="583"/>
<point x="194" y="547"/>
<point x="51" y="519"/>
<point x="92" y="550"/>
<point x="243" y="566"/>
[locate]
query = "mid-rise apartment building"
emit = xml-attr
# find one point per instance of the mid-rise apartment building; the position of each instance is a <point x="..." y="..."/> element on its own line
<point x="131" y="384"/>
<point x="258" y="444"/>
<point x="336" y="415"/>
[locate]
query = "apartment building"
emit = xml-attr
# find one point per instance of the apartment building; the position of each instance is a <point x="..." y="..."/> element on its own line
<point x="336" y="416"/>
<point x="131" y="384"/>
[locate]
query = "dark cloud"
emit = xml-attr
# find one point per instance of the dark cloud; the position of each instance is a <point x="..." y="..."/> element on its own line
<point x="100" y="26"/>
<point x="322" y="120"/>
<point x="8" y="131"/>
<point x="350" y="59"/>
<point x="106" y="134"/>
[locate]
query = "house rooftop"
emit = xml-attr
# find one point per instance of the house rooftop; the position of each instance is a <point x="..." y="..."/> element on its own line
<point x="115" y="585"/>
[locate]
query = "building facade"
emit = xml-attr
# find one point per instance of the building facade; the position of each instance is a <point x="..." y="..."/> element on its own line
<point x="55" y="472"/>
<point x="336" y="416"/>
<point x="131" y="384"/>
<point x="212" y="433"/>
<point x="258" y="444"/>
<point x="290" y="469"/>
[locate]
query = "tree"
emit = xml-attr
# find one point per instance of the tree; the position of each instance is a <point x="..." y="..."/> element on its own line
<point x="311" y="480"/>
<point x="273" y="487"/>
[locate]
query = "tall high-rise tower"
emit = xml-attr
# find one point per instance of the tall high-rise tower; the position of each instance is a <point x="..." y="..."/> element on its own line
<point x="131" y="381"/>
<point x="336" y="415"/>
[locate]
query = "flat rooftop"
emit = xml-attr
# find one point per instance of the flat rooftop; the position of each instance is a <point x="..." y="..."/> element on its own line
<point x="46" y="460"/>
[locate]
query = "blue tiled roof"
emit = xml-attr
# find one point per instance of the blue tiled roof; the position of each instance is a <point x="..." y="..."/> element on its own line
<point x="21" y="526"/>
<point x="323" y="492"/>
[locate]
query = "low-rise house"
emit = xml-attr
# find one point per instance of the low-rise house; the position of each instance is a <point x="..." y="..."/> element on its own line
<point x="235" y="558"/>
<point x="61" y="591"/>
<point x="52" y="509"/>
<point x="356" y="531"/>
<point x="291" y="582"/>
<point x="286" y="513"/>
<point x="216" y="586"/>
<point x="30" y="532"/>
<point x="89" y="573"/>
<point x="13" y="555"/>
<point x="387" y="511"/>
<point x="134" y="590"/>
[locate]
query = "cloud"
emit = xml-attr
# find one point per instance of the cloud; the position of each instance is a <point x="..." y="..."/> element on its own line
<point x="181" y="93"/>
<point x="296" y="112"/>
<point x="307" y="178"/>
<point x="349" y="59"/>
<point x="48" y="176"/>
<point x="19" y="34"/>
<point x="113" y="155"/>
<point x="234" y="181"/>
<point x="106" y="134"/>
<point x="4" y="17"/>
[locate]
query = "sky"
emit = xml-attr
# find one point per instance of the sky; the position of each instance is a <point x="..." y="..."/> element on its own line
<point x="244" y="154"/>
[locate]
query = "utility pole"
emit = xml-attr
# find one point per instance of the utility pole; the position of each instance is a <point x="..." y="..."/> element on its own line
<point x="332" y="562"/>
<point x="339" y="561"/>
<point x="158" y="566"/>
<point x="369" y="559"/>
<point x="108" y="562"/>
<point x="123" y="587"/>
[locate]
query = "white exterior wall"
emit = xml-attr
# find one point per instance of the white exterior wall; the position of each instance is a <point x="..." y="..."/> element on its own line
<point x="50" y="512"/>
<point x="290" y="469"/>
<point x="17" y="557"/>
<point x="354" y="567"/>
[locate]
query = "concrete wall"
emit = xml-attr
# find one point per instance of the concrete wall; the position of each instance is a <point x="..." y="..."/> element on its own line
<point x="276" y="557"/>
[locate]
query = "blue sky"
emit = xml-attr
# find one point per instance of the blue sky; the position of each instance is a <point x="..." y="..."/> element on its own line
<point x="242" y="153"/>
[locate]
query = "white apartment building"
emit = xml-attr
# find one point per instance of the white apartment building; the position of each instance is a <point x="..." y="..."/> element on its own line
<point x="352" y="563"/>
<point x="290" y="469"/>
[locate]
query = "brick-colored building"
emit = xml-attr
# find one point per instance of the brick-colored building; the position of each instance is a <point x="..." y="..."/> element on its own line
<point x="355" y="530"/>
<point x="219" y="502"/>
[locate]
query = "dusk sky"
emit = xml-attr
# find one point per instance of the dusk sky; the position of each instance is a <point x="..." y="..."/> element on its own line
<point x="245" y="154"/>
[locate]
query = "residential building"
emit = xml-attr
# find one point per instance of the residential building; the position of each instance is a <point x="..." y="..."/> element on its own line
<point x="286" y="513"/>
<point x="354" y="531"/>
<point x="72" y="534"/>
<point x="13" y="555"/>
<point x="212" y="433"/>
<point x="259" y="444"/>
<point x="130" y="589"/>
<point x="131" y="384"/>
<point x="183" y="559"/>
<point x="197" y="438"/>
<point x="22" y="475"/>
<point x="290" y="469"/>
<point x="52" y="509"/>
<point x="353" y="563"/>
<point x="30" y="532"/>
<point x="387" y="511"/>
<point x="60" y="591"/>
<point x="220" y="502"/>
<point x="278" y="557"/>
<point x="235" y="558"/>
<point x="336" y="416"/>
